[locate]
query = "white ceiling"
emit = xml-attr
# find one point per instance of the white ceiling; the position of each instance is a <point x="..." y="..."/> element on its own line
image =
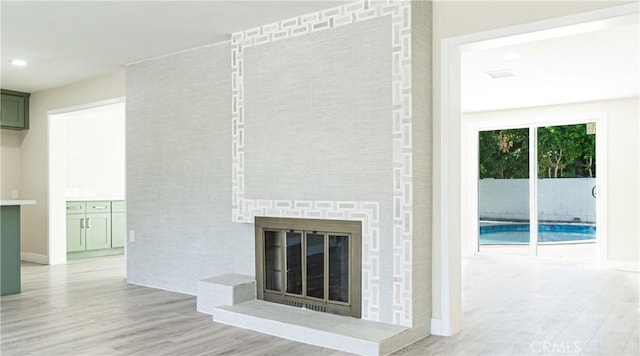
<point x="69" y="41"/>
<point x="595" y="65"/>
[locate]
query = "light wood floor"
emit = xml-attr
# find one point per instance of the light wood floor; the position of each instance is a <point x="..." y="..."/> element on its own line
<point x="524" y="306"/>
<point x="511" y="307"/>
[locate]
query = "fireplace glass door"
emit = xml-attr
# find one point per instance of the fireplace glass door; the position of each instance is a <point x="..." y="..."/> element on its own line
<point x="294" y="262"/>
<point x="311" y="269"/>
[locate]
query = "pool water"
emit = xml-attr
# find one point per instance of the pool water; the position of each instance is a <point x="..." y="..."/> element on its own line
<point x="547" y="233"/>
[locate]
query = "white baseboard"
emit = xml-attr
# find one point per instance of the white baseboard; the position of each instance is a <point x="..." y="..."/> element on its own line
<point x="436" y="327"/>
<point x="34" y="257"/>
<point x="623" y="266"/>
<point x="162" y="288"/>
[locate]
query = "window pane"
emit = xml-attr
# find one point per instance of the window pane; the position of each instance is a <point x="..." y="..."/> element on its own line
<point x="339" y="268"/>
<point x="315" y="265"/>
<point x="294" y="262"/>
<point x="272" y="260"/>
<point x="503" y="191"/>
<point x="566" y="193"/>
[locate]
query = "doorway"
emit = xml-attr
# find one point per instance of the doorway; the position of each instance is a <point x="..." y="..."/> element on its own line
<point x="456" y="184"/>
<point x="60" y="167"/>
<point x="537" y="191"/>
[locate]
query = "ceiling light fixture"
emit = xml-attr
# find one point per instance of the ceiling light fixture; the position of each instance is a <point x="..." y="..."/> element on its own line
<point x="510" y="56"/>
<point x="19" y="62"/>
<point x="503" y="73"/>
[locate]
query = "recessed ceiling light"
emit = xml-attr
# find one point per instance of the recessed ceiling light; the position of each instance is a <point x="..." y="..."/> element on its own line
<point x="510" y="56"/>
<point x="503" y="73"/>
<point x="19" y="62"/>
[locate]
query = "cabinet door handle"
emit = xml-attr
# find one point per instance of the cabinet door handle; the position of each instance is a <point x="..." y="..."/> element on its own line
<point x="82" y="223"/>
<point x="88" y="223"/>
<point x="99" y="206"/>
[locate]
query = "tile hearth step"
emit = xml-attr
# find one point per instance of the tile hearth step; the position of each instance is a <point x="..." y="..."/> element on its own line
<point x="321" y="329"/>
<point x="228" y="289"/>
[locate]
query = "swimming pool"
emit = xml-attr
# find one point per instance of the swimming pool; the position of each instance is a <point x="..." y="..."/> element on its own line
<point x="518" y="233"/>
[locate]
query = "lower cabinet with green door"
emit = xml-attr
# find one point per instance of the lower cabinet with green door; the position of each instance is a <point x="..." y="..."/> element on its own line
<point x="118" y="224"/>
<point x="94" y="229"/>
<point x="10" y="250"/>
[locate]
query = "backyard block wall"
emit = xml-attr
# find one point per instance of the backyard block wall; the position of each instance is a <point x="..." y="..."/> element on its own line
<point x="562" y="199"/>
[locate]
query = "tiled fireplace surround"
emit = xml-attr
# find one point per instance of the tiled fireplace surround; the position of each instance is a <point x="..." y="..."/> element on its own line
<point x="396" y="255"/>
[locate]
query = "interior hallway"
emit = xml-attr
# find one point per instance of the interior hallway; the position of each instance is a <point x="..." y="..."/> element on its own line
<point x="512" y="306"/>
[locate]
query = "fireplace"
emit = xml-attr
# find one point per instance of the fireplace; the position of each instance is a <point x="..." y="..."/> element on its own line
<point x="315" y="264"/>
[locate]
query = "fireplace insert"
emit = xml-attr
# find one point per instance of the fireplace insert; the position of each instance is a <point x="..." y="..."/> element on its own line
<point x="315" y="264"/>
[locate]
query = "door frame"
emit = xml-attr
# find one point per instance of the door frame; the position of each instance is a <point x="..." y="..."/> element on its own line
<point x="472" y="128"/>
<point x="56" y="140"/>
<point x="450" y="143"/>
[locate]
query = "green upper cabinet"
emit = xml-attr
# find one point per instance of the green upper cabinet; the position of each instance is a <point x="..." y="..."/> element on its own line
<point x="14" y="110"/>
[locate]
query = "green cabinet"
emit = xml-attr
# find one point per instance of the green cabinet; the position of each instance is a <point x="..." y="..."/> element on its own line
<point x="10" y="249"/>
<point x="94" y="226"/>
<point x="118" y="224"/>
<point x="98" y="231"/>
<point x="75" y="233"/>
<point x="14" y="110"/>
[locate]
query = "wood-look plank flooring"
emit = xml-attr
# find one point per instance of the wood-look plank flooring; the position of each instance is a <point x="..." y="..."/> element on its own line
<point x="525" y="306"/>
<point x="511" y="307"/>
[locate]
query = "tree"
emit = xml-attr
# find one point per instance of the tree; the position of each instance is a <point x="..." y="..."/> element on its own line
<point x="563" y="152"/>
<point x="587" y="160"/>
<point x="504" y="154"/>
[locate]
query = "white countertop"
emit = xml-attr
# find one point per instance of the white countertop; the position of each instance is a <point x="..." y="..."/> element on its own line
<point x="94" y="199"/>
<point x="17" y="202"/>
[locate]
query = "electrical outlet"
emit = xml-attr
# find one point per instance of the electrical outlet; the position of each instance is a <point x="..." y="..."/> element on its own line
<point x="132" y="236"/>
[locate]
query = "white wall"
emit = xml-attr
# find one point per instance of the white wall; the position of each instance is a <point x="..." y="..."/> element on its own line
<point x="35" y="155"/>
<point x="178" y="131"/>
<point x="455" y="18"/>
<point x="95" y="156"/>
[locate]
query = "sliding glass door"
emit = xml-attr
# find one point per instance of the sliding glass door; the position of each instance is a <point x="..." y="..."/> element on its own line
<point x="566" y="192"/>
<point x="537" y="191"/>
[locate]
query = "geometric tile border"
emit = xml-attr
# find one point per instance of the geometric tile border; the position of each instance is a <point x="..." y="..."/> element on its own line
<point x="244" y="210"/>
<point x="366" y="212"/>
